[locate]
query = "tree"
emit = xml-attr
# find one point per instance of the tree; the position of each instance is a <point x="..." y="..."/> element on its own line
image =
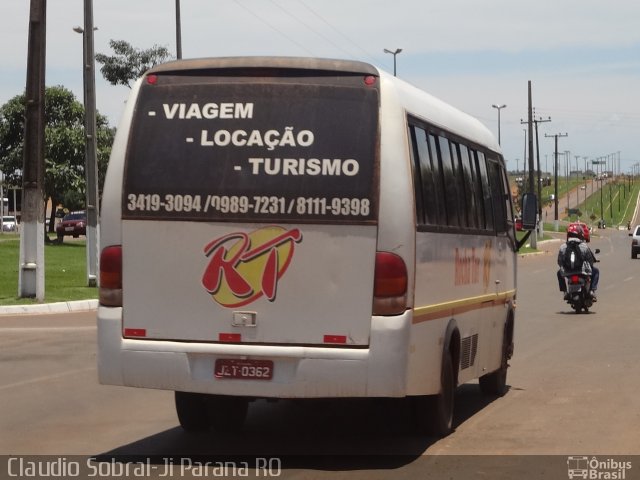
<point x="129" y="63"/>
<point x="64" y="145"/>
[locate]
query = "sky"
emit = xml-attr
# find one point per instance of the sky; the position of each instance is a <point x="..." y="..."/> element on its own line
<point x="582" y="57"/>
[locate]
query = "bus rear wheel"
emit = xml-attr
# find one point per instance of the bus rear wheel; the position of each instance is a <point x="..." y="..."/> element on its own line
<point x="226" y="413"/>
<point x="434" y="413"/>
<point x="198" y="412"/>
<point x="192" y="411"/>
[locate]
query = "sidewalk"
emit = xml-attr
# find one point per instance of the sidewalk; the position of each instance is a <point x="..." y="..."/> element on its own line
<point x="47" y="308"/>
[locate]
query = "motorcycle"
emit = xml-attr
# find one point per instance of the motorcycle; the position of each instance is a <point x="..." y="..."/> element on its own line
<point x="579" y="290"/>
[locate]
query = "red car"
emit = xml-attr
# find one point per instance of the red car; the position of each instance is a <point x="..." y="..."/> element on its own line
<point x="585" y="230"/>
<point x="518" y="224"/>
<point x="74" y="224"/>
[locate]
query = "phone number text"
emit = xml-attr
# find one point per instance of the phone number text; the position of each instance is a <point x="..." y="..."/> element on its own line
<point x="261" y="205"/>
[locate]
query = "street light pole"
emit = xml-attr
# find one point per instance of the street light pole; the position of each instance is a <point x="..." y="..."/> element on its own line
<point x="394" y="53"/>
<point x="499" y="107"/>
<point x="599" y="178"/>
<point x="178" y="32"/>
<point x="91" y="164"/>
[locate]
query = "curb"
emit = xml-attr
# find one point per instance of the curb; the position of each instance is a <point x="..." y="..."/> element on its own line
<point x="45" y="308"/>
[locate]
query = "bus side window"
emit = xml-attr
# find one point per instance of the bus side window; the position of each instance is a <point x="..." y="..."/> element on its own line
<point x="476" y="191"/>
<point x="414" y="151"/>
<point x="498" y="194"/>
<point x="431" y="209"/>
<point x="509" y="208"/>
<point x="461" y="188"/>
<point x="438" y="182"/>
<point x="486" y="192"/>
<point x="451" y="192"/>
<point x="469" y="187"/>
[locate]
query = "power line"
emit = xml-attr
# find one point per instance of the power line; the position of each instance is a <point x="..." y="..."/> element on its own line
<point x="310" y="27"/>
<point x="332" y="27"/>
<point x="261" y="19"/>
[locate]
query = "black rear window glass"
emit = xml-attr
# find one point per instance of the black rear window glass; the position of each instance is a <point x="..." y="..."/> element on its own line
<point x="262" y="150"/>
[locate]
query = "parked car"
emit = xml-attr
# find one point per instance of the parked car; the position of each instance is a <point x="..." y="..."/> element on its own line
<point x="635" y="241"/>
<point x="518" y="224"/>
<point x="8" y="223"/>
<point x="585" y="230"/>
<point x="74" y="224"/>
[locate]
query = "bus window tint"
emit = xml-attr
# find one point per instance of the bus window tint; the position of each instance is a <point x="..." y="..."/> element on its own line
<point x="477" y="188"/>
<point x="451" y="193"/>
<point x="469" y="186"/>
<point x="431" y="201"/>
<point x="438" y="182"/>
<point x="508" y="204"/>
<point x="458" y="175"/>
<point x="498" y="194"/>
<point x="418" y="174"/>
<point x="486" y="192"/>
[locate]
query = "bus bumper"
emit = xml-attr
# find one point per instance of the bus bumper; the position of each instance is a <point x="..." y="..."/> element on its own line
<point x="379" y="370"/>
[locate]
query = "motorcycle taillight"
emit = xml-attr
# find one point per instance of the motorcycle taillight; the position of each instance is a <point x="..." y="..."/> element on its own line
<point x="575" y="279"/>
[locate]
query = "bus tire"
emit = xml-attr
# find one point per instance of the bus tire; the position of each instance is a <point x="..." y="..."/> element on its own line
<point x="192" y="411"/>
<point x="227" y="413"/>
<point x="495" y="383"/>
<point x="434" y="413"/>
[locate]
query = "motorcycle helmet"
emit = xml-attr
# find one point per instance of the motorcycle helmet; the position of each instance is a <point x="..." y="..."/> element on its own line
<point x="575" y="231"/>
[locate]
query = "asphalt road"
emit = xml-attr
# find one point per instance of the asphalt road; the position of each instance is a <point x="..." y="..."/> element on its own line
<point x="574" y="390"/>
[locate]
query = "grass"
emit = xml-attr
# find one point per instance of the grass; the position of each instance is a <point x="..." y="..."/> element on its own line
<point x="617" y="206"/>
<point x="65" y="272"/>
<point x="618" y="203"/>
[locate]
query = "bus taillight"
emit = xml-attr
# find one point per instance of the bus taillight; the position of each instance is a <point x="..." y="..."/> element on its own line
<point x="111" y="276"/>
<point x="390" y="285"/>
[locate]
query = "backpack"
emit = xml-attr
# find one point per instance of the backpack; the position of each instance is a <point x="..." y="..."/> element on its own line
<point x="572" y="259"/>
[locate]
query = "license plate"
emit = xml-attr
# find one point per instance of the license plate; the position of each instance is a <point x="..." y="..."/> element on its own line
<point x="68" y="229"/>
<point x="244" y="369"/>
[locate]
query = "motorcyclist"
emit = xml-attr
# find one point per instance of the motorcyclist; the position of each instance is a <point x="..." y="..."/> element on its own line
<point x="576" y="234"/>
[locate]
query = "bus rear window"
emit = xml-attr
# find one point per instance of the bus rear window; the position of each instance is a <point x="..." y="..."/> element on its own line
<point x="241" y="149"/>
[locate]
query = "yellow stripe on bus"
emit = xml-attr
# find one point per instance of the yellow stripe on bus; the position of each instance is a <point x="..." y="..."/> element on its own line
<point x="457" y="307"/>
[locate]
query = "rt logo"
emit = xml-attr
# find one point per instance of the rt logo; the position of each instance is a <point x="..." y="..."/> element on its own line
<point x="244" y="267"/>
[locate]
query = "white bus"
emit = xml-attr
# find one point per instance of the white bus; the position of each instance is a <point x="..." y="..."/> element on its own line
<point x="302" y="228"/>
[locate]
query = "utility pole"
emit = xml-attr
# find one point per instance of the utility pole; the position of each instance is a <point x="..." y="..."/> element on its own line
<point x="529" y="122"/>
<point x="555" y="170"/>
<point x="599" y="178"/>
<point x="536" y="122"/>
<point x="610" y="181"/>
<point x="577" y="178"/>
<point x="91" y="162"/>
<point x="31" y="263"/>
<point x="567" y="173"/>
<point x="541" y="220"/>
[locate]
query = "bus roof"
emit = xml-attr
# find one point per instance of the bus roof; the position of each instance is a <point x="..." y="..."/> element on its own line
<point x="424" y="106"/>
<point x="300" y="63"/>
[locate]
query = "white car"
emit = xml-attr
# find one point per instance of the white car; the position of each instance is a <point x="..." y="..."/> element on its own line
<point x="635" y="242"/>
<point x="8" y="223"/>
